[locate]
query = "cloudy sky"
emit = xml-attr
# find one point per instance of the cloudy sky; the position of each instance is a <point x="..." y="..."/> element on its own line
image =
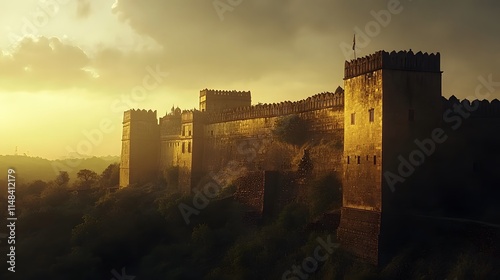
<point x="69" y="68"/>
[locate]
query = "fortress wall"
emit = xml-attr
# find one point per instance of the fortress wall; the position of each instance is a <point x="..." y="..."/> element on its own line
<point x="215" y="100"/>
<point x="267" y="192"/>
<point x="480" y="108"/>
<point x="170" y="129"/>
<point x="363" y="142"/>
<point x="251" y="144"/>
<point x="250" y="191"/>
<point x="402" y="60"/>
<point x="391" y="100"/>
<point x="316" y="102"/>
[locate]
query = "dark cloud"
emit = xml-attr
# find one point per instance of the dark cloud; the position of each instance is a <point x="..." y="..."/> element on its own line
<point x="293" y="45"/>
<point x="49" y="64"/>
<point x="43" y="63"/>
<point x="259" y="37"/>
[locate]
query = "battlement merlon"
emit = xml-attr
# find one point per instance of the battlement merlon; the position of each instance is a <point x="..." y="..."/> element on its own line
<point x="316" y="102"/>
<point x="140" y="115"/>
<point x="402" y="60"/>
<point x="234" y="93"/>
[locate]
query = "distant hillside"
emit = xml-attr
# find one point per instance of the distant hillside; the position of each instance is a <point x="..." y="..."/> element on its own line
<point x="35" y="168"/>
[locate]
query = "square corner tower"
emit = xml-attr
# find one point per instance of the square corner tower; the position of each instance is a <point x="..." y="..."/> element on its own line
<point x="390" y="99"/>
<point x="218" y="100"/>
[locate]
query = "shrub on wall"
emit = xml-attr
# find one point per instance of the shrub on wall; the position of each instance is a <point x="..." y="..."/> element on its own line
<point x="292" y="129"/>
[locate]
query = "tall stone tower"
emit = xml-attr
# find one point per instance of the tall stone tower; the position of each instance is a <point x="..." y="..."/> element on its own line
<point x="218" y="100"/>
<point x="391" y="100"/>
<point x="190" y="150"/>
<point x="140" y="147"/>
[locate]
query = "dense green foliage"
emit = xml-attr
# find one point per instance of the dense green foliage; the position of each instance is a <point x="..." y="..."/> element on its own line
<point x="64" y="234"/>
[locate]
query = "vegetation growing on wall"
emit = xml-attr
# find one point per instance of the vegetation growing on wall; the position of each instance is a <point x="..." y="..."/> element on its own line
<point x="292" y="129"/>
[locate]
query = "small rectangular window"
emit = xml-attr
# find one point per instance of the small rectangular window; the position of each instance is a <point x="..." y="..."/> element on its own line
<point x="189" y="147"/>
<point x="353" y="118"/>
<point x="348" y="160"/>
<point x="183" y="148"/>
<point x="359" y="159"/>
<point x="374" y="159"/>
<point x="371" y="112"/>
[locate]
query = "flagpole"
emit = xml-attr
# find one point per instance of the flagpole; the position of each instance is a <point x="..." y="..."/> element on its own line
<point x="354" y="45"/>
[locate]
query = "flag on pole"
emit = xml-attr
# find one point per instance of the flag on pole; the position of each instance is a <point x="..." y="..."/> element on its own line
<point x="354" y="43"/>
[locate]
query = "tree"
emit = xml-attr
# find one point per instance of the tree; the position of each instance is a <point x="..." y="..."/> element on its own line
<point x="305" y="164"/>
<point x="110" y="177"/>
<point x="62" y="179"/>
<point x="86" y="179"/>
<point x="292" y="129"/>
<point x="325" y="194"/>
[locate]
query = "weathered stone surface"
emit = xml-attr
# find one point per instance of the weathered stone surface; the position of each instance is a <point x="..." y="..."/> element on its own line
<point x="140" y="147"/>
<point x="390" y="100"/>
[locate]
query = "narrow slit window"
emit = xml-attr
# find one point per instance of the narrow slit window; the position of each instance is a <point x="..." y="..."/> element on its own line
<point x="353" y="118"/>
<point x="374" y="159"/>
<point x="359" y="159"/>
<point x="371" y="113"/>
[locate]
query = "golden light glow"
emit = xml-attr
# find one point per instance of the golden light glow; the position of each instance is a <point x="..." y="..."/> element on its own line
<point x="58" y="76"/>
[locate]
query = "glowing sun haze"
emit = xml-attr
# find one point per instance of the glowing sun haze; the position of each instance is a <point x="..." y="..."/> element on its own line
<point x="70" y="68"/>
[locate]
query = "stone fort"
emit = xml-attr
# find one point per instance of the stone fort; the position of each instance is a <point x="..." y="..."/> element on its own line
<point x="358" y="131"/>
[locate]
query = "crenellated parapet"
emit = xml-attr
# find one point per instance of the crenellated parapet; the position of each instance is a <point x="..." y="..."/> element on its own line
<point x="316" y="102"/>
<point x="477" y="108"/>
<point x="402" y="60"/>
<point x="140" y="115"/>
<point x="213" y="92"/>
